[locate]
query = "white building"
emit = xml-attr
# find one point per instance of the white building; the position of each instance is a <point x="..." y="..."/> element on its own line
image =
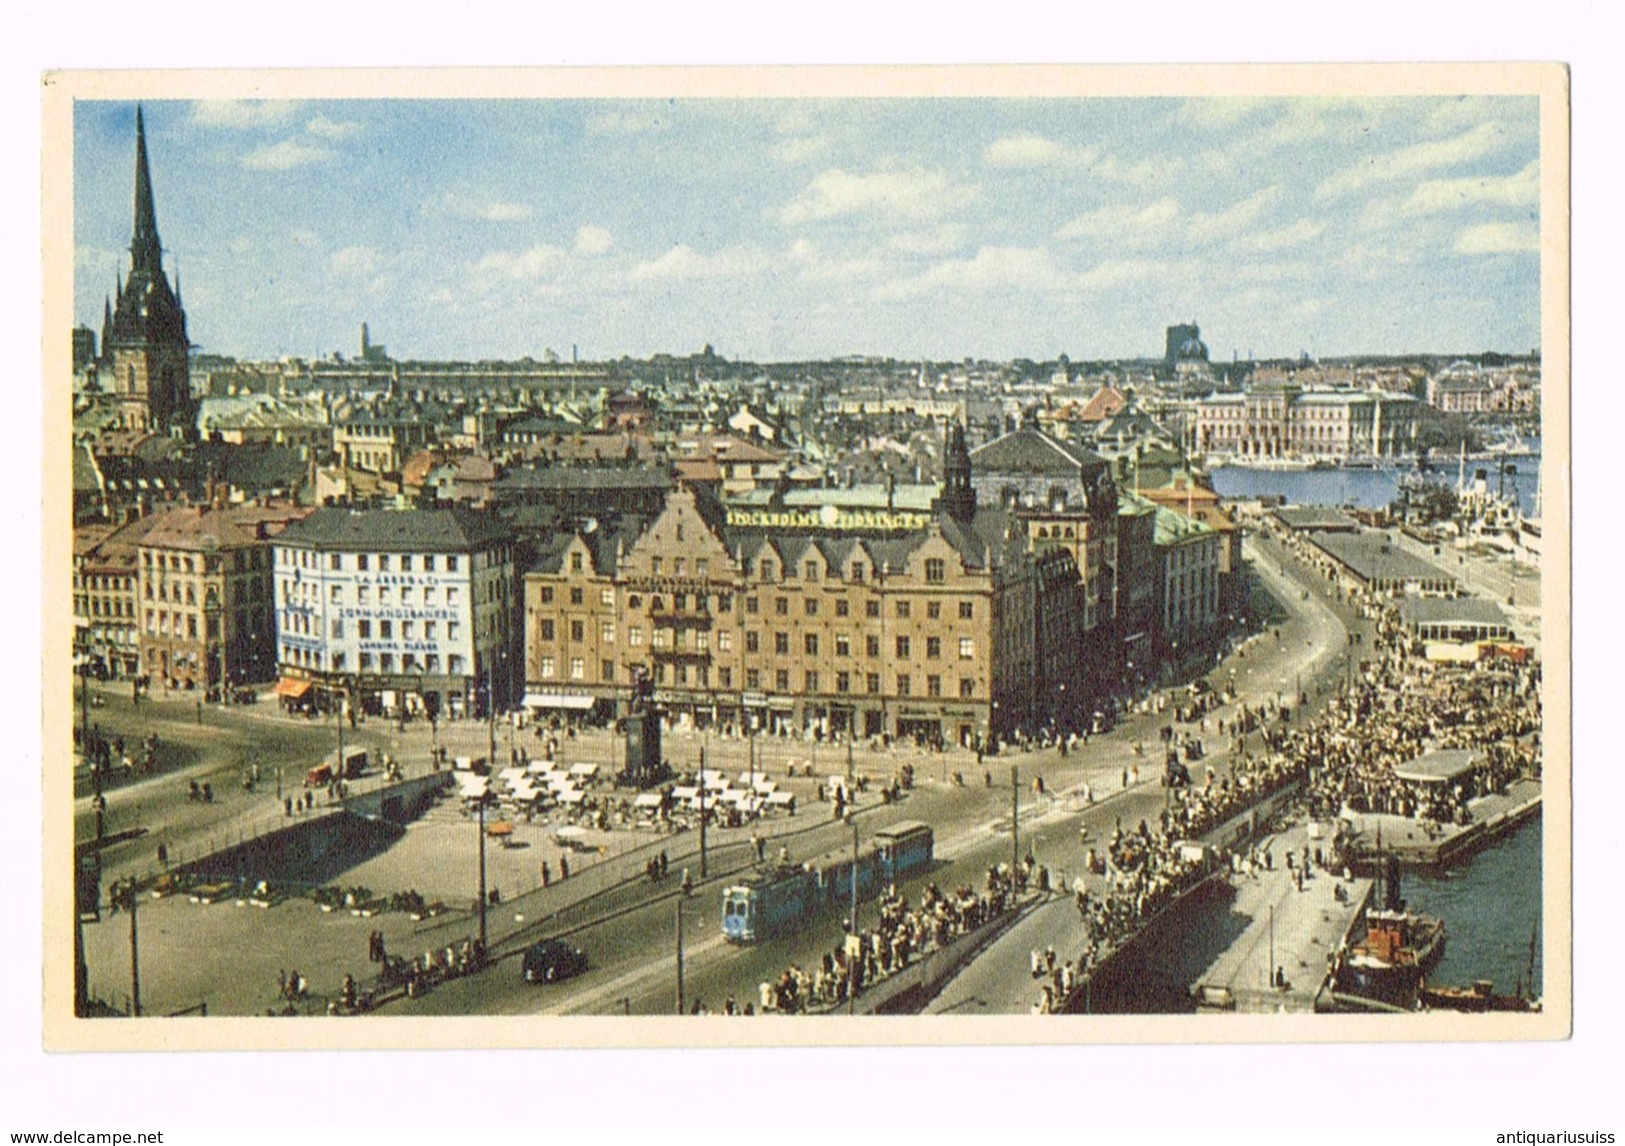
<point x="398" y="609"/>
<point x="1187" y="577"/>
<point x="1277" y="422"/>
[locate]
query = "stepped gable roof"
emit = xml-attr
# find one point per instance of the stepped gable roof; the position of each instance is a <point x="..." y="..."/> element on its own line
<point x="454" y="529"/>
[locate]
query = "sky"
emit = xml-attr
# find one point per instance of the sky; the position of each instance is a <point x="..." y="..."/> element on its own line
<point x="789" y="229"/>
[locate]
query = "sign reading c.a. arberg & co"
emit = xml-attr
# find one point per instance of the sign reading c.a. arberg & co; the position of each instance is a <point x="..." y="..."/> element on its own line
<point x="831" y="518"/>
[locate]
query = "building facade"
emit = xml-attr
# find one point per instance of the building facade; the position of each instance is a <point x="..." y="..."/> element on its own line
<point x="397" y="610"/>
<point x="1283" y="423"/>
<point x="1187" y="583"/>
<point x="952" y="633"/>
<point x="206" y="599"/>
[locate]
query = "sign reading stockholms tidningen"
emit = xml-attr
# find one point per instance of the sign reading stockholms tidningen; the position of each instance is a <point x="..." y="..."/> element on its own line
<point x="1068" y="732"/>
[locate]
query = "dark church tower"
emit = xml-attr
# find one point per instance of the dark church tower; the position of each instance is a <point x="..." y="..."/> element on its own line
<point x="144" y="343"/>
<point x="958" y="497"/>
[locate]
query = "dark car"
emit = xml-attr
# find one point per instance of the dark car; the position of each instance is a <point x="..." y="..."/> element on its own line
<point x="552" y="960"/>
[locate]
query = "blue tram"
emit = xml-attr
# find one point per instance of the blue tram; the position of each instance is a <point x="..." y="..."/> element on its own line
<point x="771" y="901"/>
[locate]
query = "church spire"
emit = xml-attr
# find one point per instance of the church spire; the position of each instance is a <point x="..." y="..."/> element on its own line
<point x="145" y="251"/>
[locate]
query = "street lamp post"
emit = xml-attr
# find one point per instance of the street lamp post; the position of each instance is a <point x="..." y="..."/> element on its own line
<point x="1015" y="824"/>
<point x="702" y="811"/>
<point x="680" y="1008"/>
<point x="857" y="952"/>
<point x="481" y="822"/>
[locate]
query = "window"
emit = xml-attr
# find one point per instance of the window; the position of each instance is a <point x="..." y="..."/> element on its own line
<point x="967" y="688"/>
<point x="871" y="609"/>
<point x="843" y="607"/>
<point x="933" y="648"/>
<point x="428" y="594"/>
<point x="383" y="563"/>
<point x="452" y="594"/>
<point x="386" y="630"/>
<point x="702" y="642"/>
<point x="606" y="671"/>
<point x="902" y="610"/>
<point x="363" y="629"/>
<point x="578" y="668"/>
<point x="336" y="594"/>
<point x="781" y="643"/>
<point x="857" y="572"/>
<point x="575" y="562"/>
<point x="406" y="630"/>
<point x="753" y="641"/>
<point x="903" y="647"/>
<point x="933" y="570"/>
<point x="451" y="563"/>
<point x="454" y="664"/>
<point x="576" y="597"/>
<point x="547" y="668"/>
<point x="634" y="602"/>
<point x="725" y="677"/>
<point x="657" y="566"/>
<point x="384" y="595"/>
<point x="606" y="632"/>
<point x="336" y="630"/>
<point x="967" y="648"/>
<point x="843" y="645"/>
<point x="606" y="598"/>
<point x="933" y="609"/>
<point x="431" y="663"/>
<point x="872" y="645"/>
<point x="871" y="682"/>
<point x="336" y="561"/>
<point x="811" y="605"/>
<point x="767" y="571"/>
<point x="452" y="630"/>
<point x="634" y="635"/>
<point x="811" y="679"/>
<point x="782" y="680"/>
<point x="547" y="594"/>
<point x="547" y="633"/>
<point x="659" y="638"/>
<point x="366" y="662"/>
<point x="905" y="687"/>
<point x="933" y="685"/>
<point x="753" y="605"/>
<point x="725" y="602"/>
<point x="781" y="606"/>
<point x="725" y="641"/>
<point x="810" y="570"/>
<point x="338" y="662"/>
<point x="681" y="564"/>
<point x="810" y="641"/>
<point x="408" y="662"/>
<point x="386" y="662"/>
<point x="967" y="611"/>
<point x="753" y="679"/>
<point x="406" y="563"/>
<point x="578" y="631"/>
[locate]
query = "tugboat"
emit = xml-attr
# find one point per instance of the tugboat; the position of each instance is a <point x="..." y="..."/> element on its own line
<point x="1481" y="998"/>
<point x="1385" y="971"/>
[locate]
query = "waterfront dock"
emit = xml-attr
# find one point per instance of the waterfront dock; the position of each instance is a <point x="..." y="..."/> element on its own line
<point x="1285" y="928"/>
<point x="1413" y="846"/>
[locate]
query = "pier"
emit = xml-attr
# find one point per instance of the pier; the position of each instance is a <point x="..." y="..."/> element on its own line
<point x="1287" y="929"/>
<point x="1416" y="846"/>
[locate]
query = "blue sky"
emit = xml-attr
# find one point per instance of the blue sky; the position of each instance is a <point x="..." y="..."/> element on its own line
<point x="781" y="229"/>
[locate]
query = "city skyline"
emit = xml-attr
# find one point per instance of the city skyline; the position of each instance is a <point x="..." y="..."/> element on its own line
<point x="784" y="229"/>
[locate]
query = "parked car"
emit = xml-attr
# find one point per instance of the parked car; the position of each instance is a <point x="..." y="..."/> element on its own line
<point x="553" y="960"/>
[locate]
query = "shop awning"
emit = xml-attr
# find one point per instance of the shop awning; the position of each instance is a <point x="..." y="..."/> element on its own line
<point x="292" y="687"/>
<point x="558" y="700"/>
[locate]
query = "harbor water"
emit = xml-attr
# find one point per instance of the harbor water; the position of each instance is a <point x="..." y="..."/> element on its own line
<point x="1490" y="905"/>
<point x="1370" y="488"/>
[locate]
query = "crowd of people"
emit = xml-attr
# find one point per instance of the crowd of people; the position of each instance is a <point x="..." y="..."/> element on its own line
<point x="900" y="935"/>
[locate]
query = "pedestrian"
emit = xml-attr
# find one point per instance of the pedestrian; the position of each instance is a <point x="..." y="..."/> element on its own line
<point x="163" y="856"/>
<point x="564" y="867"/>
<point x="1125" y="778"/>
<point x="547" y="874"/>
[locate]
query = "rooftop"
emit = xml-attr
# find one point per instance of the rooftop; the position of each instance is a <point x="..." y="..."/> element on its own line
<point x="456" y="529"/>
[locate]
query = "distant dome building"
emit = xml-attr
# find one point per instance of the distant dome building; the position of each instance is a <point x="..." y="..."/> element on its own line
<point x="1185" y="344"/>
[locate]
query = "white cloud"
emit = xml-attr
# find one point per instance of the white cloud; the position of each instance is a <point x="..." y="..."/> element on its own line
<point x="593" y="240"/>
<point x="1519" y="190"/>
<point x="332" y="128"/>
<point x="1414" y="160"/>
<point x="287" y="154"/>
<point x="1024" y="150"/>
<point x="241" y="113"/>
<point x="1207" y="226"/>
<point x="683" y="263"/>
<point x="540" y="261"/>
<point x="1122" y="221"/>
<point x="1498" y="239"/>
<point x="990" y="269"/>
<point x="354" y="262"/>
<point x="467" y="205"/>
<point x="938" y="240"/>
<point x="815" y="266"/>
<point x="1292" y="235"/>
<point x="799" y="149"/>
<point x="915" y="194"/>
<point x="631" y="119"/>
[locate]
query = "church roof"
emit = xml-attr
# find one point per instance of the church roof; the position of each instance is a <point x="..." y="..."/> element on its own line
<point x="1030" y="450"/>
